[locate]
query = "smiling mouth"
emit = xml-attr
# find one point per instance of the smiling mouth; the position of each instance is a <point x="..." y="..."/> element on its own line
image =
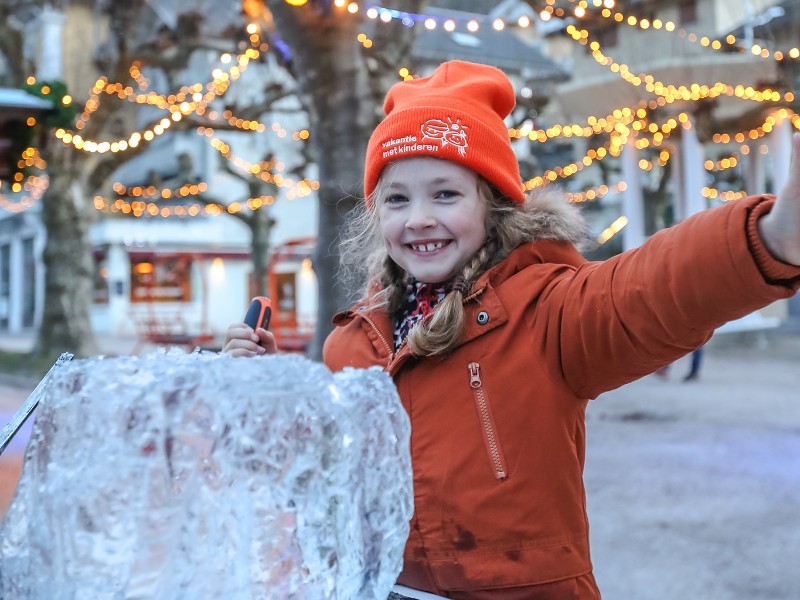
<point x="429" y="247"/>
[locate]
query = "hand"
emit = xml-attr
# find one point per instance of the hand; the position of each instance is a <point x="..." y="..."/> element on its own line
<point x="241" y="340"/>
<point x="780" y="229"/>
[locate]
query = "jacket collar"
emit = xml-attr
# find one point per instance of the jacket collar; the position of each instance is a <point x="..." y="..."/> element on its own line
<point x="484" y="310"/>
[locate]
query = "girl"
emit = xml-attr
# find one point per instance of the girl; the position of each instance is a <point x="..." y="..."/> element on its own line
<point x="497" y="332"/>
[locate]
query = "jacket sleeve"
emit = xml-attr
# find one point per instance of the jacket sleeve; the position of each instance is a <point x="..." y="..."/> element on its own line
<point x="625" y="317"/>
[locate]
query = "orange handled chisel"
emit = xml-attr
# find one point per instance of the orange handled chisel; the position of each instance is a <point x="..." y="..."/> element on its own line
<point x="259" y="313"/>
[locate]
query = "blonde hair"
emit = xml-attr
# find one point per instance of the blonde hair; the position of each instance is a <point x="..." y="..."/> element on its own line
<point x="545" y="214"/>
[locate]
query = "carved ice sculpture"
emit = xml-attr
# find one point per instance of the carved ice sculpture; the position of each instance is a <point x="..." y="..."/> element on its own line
<point x="192" y="476"/>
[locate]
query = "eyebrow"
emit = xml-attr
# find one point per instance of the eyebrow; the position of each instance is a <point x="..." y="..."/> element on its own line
<point x="435" y="181"/>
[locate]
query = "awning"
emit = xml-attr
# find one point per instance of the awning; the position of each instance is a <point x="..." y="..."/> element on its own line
<point x="138" y="255"/>
<point x="16" y="98"/>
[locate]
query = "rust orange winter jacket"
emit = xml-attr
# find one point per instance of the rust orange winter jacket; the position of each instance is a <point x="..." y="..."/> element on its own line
<point x="498" y="436"/>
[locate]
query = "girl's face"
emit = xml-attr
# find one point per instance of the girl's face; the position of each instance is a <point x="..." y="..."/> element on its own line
<point x="431" y="216"/>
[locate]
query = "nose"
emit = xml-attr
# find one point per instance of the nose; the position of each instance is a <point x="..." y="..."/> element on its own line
<point x="420" y="215"/>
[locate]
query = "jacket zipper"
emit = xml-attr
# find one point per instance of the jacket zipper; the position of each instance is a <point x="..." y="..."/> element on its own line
<point x="487" y="421"/>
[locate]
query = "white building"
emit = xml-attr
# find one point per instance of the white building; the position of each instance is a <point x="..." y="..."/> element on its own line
<point x="638" y="54"/>
<point x="174" y="275"/>
<point x="171" y="276"/>
<point x="21" y="231"/>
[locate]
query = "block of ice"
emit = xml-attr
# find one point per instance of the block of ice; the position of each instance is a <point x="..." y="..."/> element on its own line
<point x="193" y="476"/>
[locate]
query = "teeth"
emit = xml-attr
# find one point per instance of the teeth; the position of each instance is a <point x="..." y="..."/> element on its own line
<point x="430" y="247"/>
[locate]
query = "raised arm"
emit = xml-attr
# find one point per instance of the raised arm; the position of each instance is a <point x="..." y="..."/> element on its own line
<point x="629" y="315"/>
<point x="780" y="229"/>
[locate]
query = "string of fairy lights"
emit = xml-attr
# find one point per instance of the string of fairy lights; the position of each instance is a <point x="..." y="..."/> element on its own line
<point x="31" y="188"/>
<point x="264" y="170"/>
<point x="616" y="124"/>
<point x="622" y="125"/>
<point x="142" y="208"/>
<point x="730" y="42"/>
<point x="671" y="93"/>
<point x="582" y="9"/>
<point x="620" y="132"/>
<point x="188" y="100"/>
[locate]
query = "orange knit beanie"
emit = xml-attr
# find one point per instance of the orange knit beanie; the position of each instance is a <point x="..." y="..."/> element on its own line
<point x="455" y="114"/>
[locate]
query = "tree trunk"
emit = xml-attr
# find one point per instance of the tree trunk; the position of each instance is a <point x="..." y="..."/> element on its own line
<point x="658" y="210"/>
<point x="343" y="92"/>
<point x="332" y="79"/>
<point x="67" y="258"/>
<point x="260" y="223"/>
<point x="11" y="49"/>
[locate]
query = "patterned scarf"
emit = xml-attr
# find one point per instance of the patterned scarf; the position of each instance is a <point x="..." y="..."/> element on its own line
<point x="421" y="299"/>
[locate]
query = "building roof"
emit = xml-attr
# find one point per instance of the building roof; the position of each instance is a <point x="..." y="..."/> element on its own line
<point x="781" y="16"/>
<point x="483" y="7"/>
<point x="501" y="49"/>
<point x="15" y="98"/>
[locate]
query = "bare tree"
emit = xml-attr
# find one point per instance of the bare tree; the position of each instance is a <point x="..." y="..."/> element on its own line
<point x="11" y="42"/>
<point x="68" y="213"/>
<point x="67" y="258"/>
<point x="341" y="85"/>
<point x="258" y="221"/>
<point x="76" y="176"/>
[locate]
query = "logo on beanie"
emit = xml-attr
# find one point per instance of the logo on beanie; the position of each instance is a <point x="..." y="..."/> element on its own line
<point x="446" y="134"/>
<point x="451" y="133"/>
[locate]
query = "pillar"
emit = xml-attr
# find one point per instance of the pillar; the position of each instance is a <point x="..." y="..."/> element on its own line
<point x="632" y="200"/>
<point x="693" y="173"/>
<point x="51" y="43"/>
<point x="755" y="180"/>
<point x="779" y="143"/>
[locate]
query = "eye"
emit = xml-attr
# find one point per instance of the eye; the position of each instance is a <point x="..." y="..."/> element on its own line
<point x="395" y="199"/>
<point x="447" y="194"/>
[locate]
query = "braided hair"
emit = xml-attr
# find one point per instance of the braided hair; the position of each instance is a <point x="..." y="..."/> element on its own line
<point x="508" y="225"/>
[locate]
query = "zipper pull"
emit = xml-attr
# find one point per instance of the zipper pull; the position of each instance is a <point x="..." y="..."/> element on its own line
<point x="474" y="375"/>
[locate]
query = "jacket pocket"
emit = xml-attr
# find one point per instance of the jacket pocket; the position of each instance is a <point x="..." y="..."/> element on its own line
<point x="496" y="458"/>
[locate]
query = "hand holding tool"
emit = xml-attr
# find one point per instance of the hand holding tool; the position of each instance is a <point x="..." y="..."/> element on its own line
<point x="259" y="313"/>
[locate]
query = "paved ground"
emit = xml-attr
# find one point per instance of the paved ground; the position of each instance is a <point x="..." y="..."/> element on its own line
<point x="11" y="397"/>
<point x="693" y="488"/>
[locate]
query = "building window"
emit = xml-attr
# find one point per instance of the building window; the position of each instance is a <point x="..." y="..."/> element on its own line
<point x="607" y="38"/>
<point x="161" y="278"/>
<point x="5" y="284"/>
<point x="100" y="278"/>
<point x="28" y="283"/>
<point x="687" y="12"/>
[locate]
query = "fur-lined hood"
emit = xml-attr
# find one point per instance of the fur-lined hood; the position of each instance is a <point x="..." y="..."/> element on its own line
<point x="555" y="218"/>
